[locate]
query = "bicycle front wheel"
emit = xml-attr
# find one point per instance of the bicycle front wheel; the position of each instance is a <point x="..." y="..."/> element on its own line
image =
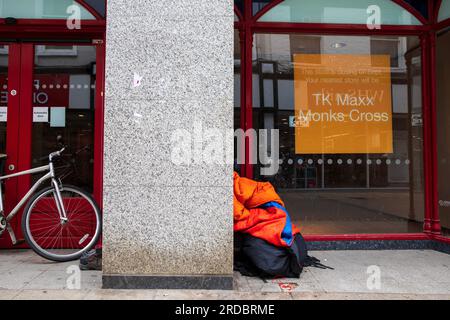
<point x="53" y="238"/>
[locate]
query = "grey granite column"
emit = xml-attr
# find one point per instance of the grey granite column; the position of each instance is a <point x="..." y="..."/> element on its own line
<point x="167" y="225"/>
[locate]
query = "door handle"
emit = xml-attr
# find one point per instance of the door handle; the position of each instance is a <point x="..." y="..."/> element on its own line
<point x="13" y="92"/>
<point x="11" y="167"/>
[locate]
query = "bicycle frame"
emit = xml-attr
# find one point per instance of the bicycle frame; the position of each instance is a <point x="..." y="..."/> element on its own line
<point x="48" y="176"/>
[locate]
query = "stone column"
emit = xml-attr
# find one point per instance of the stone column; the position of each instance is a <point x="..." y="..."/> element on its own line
<point x="169" y="67"/>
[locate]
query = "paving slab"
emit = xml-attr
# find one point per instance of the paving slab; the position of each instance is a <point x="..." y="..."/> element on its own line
<point x="400" y="271"/>
<point x="51" y="295"/>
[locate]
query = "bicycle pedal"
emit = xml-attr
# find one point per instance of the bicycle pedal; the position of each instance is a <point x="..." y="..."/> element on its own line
<point x="19" y="242"/>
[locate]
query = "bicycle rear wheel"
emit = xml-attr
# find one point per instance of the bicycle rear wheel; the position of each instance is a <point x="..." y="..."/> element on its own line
<point x="53" y="239"/>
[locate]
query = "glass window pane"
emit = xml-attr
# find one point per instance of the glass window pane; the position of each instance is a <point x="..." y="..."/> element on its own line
<point x="351" y="191"/>
<point x="258" y="5"/>
<point x="419" y="5"/>
<point x="268" y="89"/>
<point x="41" y="9"/>
<point x="444" y="11"/>
<point x="237" y="94"/>
<point x="240" y="4"/>
<point x="256" y="90"/>
<point x="443" y="129"/>
<point x="98" y="5"/>
<point x="3" y="95"/>
<point x="63" y="111"/>
<point x="341" y="11"/>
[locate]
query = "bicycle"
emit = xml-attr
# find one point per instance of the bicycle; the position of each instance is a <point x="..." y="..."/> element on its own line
<point x="59" y="222"/>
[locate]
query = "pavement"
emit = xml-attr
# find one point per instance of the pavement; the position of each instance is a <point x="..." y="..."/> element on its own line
<point x="380" y="275"/>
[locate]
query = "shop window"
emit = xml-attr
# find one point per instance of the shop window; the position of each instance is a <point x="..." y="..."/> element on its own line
<point x="63" y="112"/>
<point x="420" y="5"/>
<point x="48" y="50"/>
<point x="240" y="4"/>
<point x="42" y="9"/>
<point x="343" y="11"/>
<point x="98" y="5"/>
<point x="443" y="129"/>
<point x="258" y="5"/>
<point x="444" y="11"/>
<point x="335" y="180"/>
<point x="3" y="49"/>
<point x="388" y="45"/>
<point x="237" y="93"/>
<point x="4" y="66"/>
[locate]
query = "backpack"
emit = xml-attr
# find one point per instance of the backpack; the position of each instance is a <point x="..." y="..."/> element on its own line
<point x="257" y="257"/>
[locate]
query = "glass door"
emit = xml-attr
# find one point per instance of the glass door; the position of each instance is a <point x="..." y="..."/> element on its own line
<point x="49" y="98"/>
<point x="10" y="71"/>
<point x="64" y="81"/>
<point x="4" y="56"/>
<point x="63" y="113"/>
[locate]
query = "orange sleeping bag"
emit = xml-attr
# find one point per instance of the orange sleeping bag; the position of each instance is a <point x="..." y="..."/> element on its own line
<point x="260" y="212"/>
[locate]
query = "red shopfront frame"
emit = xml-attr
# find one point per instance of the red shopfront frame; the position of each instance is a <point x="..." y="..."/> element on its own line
<point x="248" y="25"/>
<point x="21" y="38"/>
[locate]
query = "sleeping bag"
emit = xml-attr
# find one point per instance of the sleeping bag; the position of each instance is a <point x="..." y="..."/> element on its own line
<point x="260" y="212"/>
<point x="267" y="243"/>
<point x="255" y="257"/>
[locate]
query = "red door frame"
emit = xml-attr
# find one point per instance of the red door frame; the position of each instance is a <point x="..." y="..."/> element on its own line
<point x="12" y="131"/>
<point x="248" y="26"/>
<point x="25" y="126"/>
<point x="30" y="32"/>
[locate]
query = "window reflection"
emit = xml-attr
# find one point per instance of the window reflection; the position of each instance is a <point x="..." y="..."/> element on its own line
<point x="42" y="9"/>
<point x="443" y="129"/>
<point x="240" y="5"/>
<point x="63" y="110"/>
<point x="3" y="95"/>
<point x="258" y="5"/>
<point x="237" y="93"/>
<point x="344" y="193"/>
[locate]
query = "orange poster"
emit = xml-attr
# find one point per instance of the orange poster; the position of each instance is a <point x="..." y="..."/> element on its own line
<point x="343" y="104"/>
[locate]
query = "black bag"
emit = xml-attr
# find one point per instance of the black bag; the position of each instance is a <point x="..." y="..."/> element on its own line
<point x="257" y="257"/>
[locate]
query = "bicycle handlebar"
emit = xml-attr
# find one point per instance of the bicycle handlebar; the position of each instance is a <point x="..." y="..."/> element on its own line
<point x="56" y="154"/>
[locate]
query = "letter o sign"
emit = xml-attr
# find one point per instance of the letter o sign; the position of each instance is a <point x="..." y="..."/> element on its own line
<point x="42" y="98"/>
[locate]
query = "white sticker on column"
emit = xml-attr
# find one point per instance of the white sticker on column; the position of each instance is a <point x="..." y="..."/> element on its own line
<point x="3" y="114"/>
<point x="40" y="114"/>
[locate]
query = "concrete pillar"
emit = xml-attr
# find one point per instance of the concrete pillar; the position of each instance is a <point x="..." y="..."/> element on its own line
<point x="167" y="225"/>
